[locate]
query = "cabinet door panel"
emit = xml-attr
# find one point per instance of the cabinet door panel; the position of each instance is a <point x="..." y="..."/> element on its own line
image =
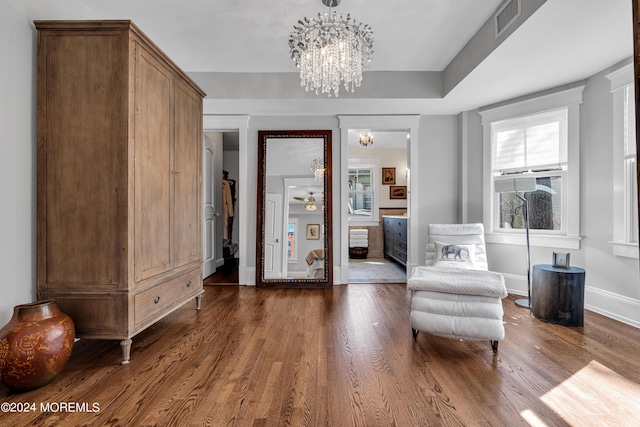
<point x="187" y="167"/>
<point x="153" y="130"/>
<point x="79" y="170"/>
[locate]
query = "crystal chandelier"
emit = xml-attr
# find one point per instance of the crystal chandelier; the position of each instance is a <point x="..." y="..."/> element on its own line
<point x="366" y="140"/>
<point x="329" y="50"/>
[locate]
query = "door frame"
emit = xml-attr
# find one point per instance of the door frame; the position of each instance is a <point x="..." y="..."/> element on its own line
<point x="408" y="123"/>
<point x="240" y="124"/>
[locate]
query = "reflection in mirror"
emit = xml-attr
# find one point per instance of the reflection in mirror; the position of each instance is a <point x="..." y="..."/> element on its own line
<point x="294" y="205"/>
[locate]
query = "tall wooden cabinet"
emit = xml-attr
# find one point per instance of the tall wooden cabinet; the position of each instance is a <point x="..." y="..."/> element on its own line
<point x="119" y="178"/>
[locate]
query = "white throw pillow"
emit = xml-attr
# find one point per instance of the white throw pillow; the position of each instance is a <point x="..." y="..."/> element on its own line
<point x="454" y="255"/>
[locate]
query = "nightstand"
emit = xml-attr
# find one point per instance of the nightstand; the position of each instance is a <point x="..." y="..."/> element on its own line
<point x="557" y="294"/>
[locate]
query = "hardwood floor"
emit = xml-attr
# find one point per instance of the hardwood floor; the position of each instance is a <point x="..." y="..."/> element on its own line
<point x="342" y="357"/>
<point x="224" y="275"/>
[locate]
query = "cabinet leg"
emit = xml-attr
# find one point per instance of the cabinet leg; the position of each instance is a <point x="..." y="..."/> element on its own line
<point x="198" y="302"/>
<point x="126" y="351"/>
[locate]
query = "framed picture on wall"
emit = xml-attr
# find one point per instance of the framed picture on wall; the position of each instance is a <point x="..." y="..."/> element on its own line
<point x="388" y="176"/>
<point x="313" y="231"/>
<point x="398" y="192"/>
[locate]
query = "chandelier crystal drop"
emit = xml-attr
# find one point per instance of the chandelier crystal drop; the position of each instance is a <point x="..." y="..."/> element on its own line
<point x="330" y="50"/>
<point x="317" y="167"/>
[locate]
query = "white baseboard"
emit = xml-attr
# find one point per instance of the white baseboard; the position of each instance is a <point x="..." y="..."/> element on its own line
<point x="247" y="275"/>
<point x="617" y="307"/>
<point x="516" y="285"/>
<point x="609" y="304"/>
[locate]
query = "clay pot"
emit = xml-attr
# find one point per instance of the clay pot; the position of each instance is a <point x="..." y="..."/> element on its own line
<point x="35" y="345"/>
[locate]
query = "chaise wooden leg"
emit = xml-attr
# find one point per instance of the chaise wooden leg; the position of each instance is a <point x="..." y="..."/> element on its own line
<point x="415" y="333"/>
<point x="494" y="345"/>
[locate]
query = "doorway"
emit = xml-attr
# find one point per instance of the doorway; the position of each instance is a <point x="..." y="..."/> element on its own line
<point x="220" y="184"/>
<point x="236" y="124"/>
<point x="377" y="181"/>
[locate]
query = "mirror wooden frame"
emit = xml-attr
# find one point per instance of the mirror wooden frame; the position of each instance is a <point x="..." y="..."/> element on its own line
<point x="263" y="142"/>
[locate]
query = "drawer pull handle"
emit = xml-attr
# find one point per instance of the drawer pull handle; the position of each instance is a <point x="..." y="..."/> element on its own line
<point x="189" y="283"/>
<point x="156" y="299"/>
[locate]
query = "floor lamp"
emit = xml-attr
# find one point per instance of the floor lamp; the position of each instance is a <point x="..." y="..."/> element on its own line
<point x="521" y="185"/>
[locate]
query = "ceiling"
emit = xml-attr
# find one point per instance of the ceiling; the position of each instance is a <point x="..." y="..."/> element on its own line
<point x="562" y="42"/>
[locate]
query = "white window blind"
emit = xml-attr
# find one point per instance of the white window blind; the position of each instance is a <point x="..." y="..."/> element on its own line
<point x="530" y="143"/>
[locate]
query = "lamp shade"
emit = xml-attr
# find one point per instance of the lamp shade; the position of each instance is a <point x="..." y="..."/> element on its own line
<point x="511" y="185"/>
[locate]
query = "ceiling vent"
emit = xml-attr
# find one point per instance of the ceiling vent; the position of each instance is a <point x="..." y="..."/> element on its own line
<point x="507" y="15"/>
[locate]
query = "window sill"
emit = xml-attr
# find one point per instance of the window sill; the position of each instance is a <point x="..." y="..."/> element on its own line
<point x="629" y="250"/>
<point x="559" y="242"/>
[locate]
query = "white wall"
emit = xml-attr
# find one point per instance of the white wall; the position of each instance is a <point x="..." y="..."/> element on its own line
<point x="439" y="170"/>
<point x="18" y="50"/>
<point x="612" y="282"/>
<point x="17" y="161"/>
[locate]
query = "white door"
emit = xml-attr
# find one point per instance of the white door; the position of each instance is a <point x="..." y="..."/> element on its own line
<point x="273" y="236"/>
<point x="210" y="213"/>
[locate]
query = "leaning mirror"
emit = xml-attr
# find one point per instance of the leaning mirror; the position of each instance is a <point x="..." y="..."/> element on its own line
<point x="294" y="209"/>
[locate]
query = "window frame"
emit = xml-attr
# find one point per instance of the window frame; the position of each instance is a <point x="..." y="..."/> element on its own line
<point x="373" y="164"/>
<point x="624" y="208"/>
<point x="569" y="238"/>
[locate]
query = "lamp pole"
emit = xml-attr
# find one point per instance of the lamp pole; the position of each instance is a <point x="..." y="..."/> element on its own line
<point x="525" y="212"/>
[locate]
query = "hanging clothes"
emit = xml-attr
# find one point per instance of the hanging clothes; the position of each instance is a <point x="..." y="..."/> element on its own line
<point x="227" y="209"/>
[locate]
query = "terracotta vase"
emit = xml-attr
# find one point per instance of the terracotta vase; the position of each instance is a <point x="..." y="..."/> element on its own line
<point x="35" y="345"/>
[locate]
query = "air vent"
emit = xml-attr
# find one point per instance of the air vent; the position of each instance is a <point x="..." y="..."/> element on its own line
<point x="507" y="15"/>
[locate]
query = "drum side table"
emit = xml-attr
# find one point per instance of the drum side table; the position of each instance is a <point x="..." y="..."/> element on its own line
<point x="557" y="294"/>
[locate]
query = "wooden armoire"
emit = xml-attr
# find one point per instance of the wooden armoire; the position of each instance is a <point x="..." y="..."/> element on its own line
<point x="119" y="148"/>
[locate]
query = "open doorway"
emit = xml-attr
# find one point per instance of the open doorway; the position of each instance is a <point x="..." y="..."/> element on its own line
<point x="221" y="208"/>
<point x="377" y="206"/>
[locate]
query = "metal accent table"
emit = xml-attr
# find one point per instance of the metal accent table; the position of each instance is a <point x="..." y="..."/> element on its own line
<point x="557" y="294"/>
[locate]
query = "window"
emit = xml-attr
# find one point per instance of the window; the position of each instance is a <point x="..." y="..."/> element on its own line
<point x="625" y="193"/>
<point x="540" y="138"/>
<point x="362" y="201"/>
<point x="360" y="192"/>
<point x="292" y="228"/>
<point x="532" y="146"/>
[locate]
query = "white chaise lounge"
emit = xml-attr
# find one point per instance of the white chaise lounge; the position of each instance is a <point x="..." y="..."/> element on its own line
<point x="454" y="294"/>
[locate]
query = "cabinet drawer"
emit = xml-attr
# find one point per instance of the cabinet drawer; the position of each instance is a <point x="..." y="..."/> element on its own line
<point x="388" y="224"/>
<point x="389" y="242"/>
<point x="154" y="301"/>
<point x="401" y="256"/>
<point x="400" y="229"/>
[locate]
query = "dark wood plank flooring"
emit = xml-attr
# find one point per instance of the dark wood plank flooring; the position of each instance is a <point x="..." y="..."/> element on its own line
<point x="224" y="275"/>
<point x="343" y="357"/>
